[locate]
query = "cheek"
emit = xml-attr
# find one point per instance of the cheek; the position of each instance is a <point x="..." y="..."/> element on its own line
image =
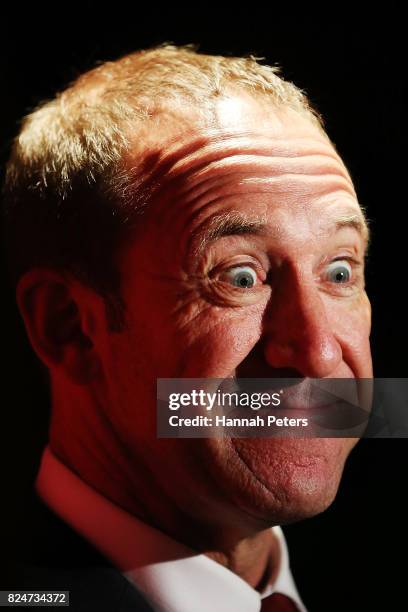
<point x="352" y="326"/>
<point x="218" y="339"/>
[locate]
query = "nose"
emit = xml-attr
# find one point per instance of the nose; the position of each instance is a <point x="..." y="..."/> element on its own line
<point x="297" y="331"/>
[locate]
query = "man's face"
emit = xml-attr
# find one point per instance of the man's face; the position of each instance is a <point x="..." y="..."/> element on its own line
<point x="249" y="261"/>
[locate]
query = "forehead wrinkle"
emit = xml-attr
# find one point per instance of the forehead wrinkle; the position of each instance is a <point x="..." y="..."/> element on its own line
<point x="212" y="156"/>
<point x="167" y="160"/>
<point x="292" y="178"/>
<point x="192" y="193"/>
<point x="294" y="187"/>
<point x="263" y="167"/>
<point x="186" y="186"/>
<point x="177" y="146"/>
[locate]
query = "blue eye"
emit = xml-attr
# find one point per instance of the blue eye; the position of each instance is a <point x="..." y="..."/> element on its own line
<point x="243" y="277"/>
<point x="339" y="272"/>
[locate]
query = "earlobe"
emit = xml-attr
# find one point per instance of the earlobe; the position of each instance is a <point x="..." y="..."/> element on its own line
<point x="53" y="315"/>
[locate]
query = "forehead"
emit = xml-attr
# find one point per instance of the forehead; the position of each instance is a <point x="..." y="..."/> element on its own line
<point x="175" y="124"/>
<point x="243" y="155"/>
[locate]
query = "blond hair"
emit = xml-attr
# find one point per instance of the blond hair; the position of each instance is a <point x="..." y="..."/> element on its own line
<point x="65" y="178"/>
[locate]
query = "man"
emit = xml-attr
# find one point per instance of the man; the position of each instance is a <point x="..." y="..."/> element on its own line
<point x="179" y="215"/>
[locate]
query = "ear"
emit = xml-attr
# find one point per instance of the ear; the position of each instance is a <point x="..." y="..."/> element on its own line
<point x="62" y="319"/>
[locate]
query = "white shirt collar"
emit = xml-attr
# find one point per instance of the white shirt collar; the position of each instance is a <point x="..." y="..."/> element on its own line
<point x="172" y="577"/>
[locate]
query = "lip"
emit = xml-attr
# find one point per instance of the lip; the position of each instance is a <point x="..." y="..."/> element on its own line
<point x="300" y="394"/>
<point x="338" y="415"/>
<point x="293" y="411"/>
<point x="322" y="403"/>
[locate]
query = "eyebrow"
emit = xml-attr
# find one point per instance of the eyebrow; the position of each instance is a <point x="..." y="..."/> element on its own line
<point x="228" y="224"/>
<point x="236" y="224"/>
<point x="354" y="221"/>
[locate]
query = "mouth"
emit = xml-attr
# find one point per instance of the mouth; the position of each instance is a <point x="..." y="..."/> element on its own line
<point x="329" y="407"/>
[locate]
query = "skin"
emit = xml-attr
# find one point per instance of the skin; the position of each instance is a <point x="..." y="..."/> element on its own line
<point x="184" y="318"/>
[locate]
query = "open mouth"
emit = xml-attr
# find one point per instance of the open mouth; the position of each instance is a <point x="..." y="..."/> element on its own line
<point x="330" y="405"/>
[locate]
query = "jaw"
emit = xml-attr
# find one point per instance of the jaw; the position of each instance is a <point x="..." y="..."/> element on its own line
<point x="277" y="481"/>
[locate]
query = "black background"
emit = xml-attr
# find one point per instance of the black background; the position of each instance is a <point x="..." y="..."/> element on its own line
<point x="353" y="67"/>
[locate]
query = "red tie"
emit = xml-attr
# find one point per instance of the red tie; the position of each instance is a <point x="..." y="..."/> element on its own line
<point x="277" y="602"/>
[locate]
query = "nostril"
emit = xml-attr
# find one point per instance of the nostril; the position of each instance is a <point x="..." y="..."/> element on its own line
<point x="256" y="365"/>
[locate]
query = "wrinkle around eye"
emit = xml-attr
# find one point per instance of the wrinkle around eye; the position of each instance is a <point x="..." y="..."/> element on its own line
<point x="226" y="295"/>
<point x="201" y="310"/>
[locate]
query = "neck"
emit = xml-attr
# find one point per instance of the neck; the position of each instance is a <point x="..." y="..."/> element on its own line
<point x="255" y="559"/>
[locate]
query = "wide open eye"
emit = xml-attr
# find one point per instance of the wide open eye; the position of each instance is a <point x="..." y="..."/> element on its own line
<point x="339" y="272"/>
<point x="243" y="277"/>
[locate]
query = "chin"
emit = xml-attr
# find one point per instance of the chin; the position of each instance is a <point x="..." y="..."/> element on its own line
<point x="290" y="480"/>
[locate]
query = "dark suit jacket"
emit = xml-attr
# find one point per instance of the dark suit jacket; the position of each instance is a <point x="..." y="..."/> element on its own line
<point x="46" y="554"/>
